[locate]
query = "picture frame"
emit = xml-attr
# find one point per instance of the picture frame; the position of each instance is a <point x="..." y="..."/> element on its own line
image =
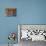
<point x="10" y="12"/>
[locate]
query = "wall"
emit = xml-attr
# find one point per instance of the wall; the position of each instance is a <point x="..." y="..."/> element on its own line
<point x="28" y="12"/>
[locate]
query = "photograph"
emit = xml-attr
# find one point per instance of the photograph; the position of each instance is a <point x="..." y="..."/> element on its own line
<point x="10" y="11"/>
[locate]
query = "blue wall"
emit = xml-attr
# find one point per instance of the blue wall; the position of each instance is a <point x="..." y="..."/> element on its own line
<point x="28" y="12"/>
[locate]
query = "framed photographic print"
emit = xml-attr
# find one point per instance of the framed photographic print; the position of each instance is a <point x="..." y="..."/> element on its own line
<point x="10" y="11"/>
